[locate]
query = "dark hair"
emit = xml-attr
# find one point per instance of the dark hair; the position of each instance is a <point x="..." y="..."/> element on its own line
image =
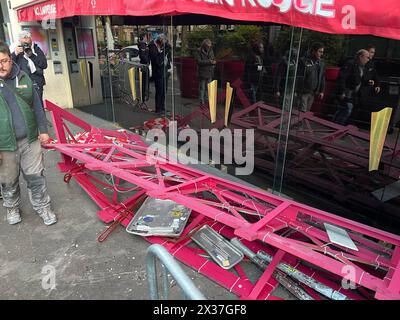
<point x="315" y="46"/>
<point x="256" y="46"/>
<point x="370" y="46"/>
<point x="4" y="48"/>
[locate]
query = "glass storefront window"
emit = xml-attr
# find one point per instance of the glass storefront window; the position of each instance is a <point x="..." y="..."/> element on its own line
<point x="293" y="86"/>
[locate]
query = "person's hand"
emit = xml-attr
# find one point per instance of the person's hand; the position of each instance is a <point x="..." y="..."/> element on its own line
<point x="28" y="52"/>
<point x="371" y="82"/>
<point x="18" y="50"/>
<point x="44" y="138"/>
<point x="321" y="95"/>
<point x="213" y="61"/>
<point x="377" y="90"/>
<point x="278" y="94"/>
<point x="342" y="96"/>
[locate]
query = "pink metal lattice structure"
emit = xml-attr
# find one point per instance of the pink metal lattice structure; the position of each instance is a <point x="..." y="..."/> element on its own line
<point x="289" y="231"/>
<point x="321" y="155"/>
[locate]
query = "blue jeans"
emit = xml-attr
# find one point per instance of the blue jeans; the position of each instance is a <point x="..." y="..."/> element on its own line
<point x="203" y="89"/>
<point x="343" y="114"/>
<point x="253" y="92"/>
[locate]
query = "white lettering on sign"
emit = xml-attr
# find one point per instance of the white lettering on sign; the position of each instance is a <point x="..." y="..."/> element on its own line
<point x="305" y="6"/>
<point x="323" y="11"/>
<point x="252" y="3"/>
<point x="265" y="3"/>
<point x="283" y="5"/>
<point x="323" y="8"/>
<point x="45" y="10"/>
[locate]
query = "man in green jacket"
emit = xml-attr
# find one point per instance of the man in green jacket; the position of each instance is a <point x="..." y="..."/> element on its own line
<point x="23" y="127"/>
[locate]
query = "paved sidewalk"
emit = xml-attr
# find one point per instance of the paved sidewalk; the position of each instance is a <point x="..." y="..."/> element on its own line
<point x="84" y="268"/>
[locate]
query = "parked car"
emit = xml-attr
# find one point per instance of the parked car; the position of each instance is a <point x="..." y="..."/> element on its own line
<point x="131" y="54"/>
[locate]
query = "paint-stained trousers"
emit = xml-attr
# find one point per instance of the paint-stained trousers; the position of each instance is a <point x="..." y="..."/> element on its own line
<point x="28" y="158"/>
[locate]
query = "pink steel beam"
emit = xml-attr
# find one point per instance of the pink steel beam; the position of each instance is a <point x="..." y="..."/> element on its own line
<point x="329" y="135"/>
<point x="325" y="158"/>
<point x="326" y="171"/>
<point x="264" y="216"/>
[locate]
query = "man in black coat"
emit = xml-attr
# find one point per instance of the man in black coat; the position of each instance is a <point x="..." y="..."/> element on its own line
<point x="281" y="70"/>
<point x="143" y="49"/>
<point x="31" y="59"/>
<point x="205" y="68"/>
<point x="351" y="77"/>
<point x="254" y="70"/>
<point x="311" y="77"/>
<point x="371" y="73"/>
<point x="157" y="57"/>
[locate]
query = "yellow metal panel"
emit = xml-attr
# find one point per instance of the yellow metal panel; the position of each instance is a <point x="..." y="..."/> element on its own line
<point x="212" y="99"/>
<point x="141" y="84"/>
<point x="229" y="93"/>
<point x="379" y="126"/>
<point x="82" y="66"/>
<point x="132" y="82"/>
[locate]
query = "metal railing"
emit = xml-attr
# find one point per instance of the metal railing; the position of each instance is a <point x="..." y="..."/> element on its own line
<point x="169" y="266"/>
<point x="121" y="83"/>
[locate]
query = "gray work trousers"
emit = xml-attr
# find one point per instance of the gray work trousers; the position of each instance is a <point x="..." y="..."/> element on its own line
<point x="28" y="158"/>
<point x="306" y="101"/>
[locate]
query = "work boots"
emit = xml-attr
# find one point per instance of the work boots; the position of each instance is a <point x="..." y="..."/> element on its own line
<point x="13" y="215"/>
<point x="47" y="215"/>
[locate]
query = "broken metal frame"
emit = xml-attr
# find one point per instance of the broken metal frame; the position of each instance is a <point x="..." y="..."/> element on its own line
<point x="289" y="231"/>
<point x="325" y="156"/>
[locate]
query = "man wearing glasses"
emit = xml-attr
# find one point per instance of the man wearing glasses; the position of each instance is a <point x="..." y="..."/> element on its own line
<point x="23" y="127"/>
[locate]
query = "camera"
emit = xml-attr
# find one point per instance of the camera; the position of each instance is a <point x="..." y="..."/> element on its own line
<point x="26" y="47"/>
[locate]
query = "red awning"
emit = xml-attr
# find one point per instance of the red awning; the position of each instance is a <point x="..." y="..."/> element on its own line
<point x="331" y="16"/>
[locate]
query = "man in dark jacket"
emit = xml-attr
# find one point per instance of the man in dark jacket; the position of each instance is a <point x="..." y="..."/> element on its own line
<point x="351" y="77"/>
<point x="281" y="70"/>
<point x="311" y="77"/>
<point x="23" y="128"/>
<point x="157" y="57"/>
<point x="31" y="59"/>
<point x="206" y="64"/>
<point x="371" y="74"/>
<point x="143" y="47"/>
<point x="254" y="70"/>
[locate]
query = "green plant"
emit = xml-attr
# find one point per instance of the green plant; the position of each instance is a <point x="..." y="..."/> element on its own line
<point x="226" y="43"/>
<point x="334" y="44"/>
<point x="194" y="40"/>
<point x="125" y="43"/>
<point x="241" y="39"/>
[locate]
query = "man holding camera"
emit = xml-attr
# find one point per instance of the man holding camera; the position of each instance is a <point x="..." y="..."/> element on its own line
<point x="31" y="59"/>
